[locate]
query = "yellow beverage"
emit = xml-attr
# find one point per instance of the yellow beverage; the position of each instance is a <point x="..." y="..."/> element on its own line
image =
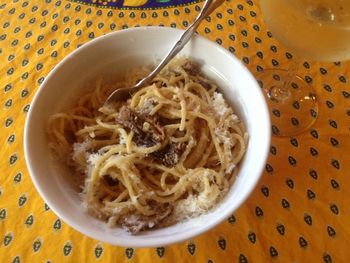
<point x="315" y="29"/>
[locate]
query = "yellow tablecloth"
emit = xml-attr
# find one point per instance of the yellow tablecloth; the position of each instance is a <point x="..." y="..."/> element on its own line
<point x="299" y="212"/>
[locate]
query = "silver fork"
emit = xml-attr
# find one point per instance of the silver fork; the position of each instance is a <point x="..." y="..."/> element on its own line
<point x="123" y="94"/>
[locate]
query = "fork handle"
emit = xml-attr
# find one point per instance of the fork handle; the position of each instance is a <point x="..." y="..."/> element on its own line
<point x="208" y="7"/>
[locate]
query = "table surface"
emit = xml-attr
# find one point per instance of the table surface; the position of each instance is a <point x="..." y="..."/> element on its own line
<point x="298" y="211"/>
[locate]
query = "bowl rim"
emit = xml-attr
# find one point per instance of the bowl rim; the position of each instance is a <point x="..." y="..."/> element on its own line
<point x="140" y="242"/>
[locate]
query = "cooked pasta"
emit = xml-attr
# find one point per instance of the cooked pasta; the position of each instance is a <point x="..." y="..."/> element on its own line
<point x="169" y="153"/>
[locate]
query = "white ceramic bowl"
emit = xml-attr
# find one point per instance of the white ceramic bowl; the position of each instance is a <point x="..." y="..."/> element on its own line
<point x="116" y="52"/>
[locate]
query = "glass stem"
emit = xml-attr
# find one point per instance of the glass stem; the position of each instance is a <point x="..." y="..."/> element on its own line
<point x="281" y="92"/>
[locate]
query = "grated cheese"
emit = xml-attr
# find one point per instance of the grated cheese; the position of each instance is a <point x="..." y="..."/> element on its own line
<point x="80" y="149"/>
<point x="230" y="168"/>
<point x="219" y="104"/>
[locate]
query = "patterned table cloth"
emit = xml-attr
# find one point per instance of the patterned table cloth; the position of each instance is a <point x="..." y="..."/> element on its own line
<point x="299" y="210"/>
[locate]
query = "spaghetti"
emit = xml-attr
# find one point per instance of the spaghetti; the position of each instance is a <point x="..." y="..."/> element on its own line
<point x="167" y="154"/>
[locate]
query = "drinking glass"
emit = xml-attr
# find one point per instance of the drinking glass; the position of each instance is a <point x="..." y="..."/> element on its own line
<point x="314" y="29"/>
